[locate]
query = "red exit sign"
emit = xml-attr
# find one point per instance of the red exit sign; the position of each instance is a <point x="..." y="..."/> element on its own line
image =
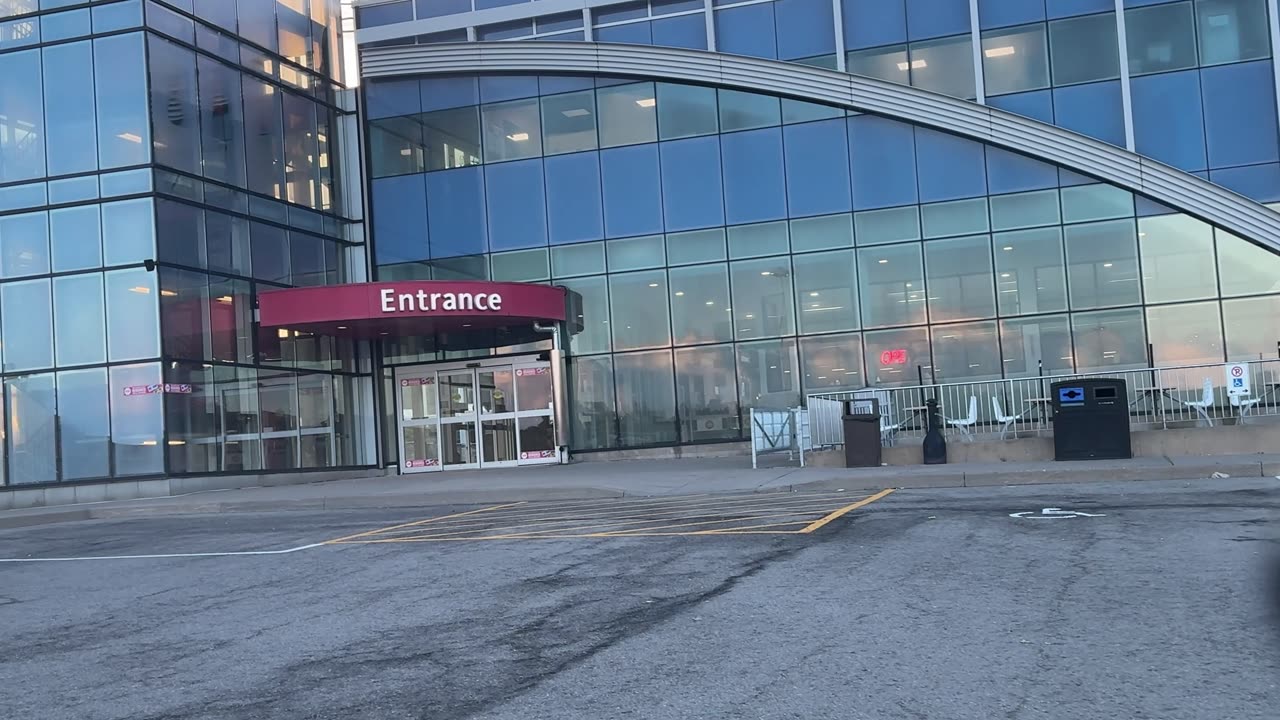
<point x="894" y="357"/>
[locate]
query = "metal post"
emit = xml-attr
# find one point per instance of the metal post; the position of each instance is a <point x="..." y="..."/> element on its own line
<point x="558" y="390"/>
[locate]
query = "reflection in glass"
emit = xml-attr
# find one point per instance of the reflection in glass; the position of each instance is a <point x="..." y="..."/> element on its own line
<point x="237" y="392"/>
<point x="1102" y="264"/>
<point x="133" y="328"/>
<point x="591" y="402"/>
<point x="646" y="398"/>
<point x="885" y="63"/>
<point x="970" y="351"/>
<point x="31" y="444"/>
<point x="174" y="118"/>
<point x="452" y="137"/>
<point x="264" y="137"/>
<point x="763" y="303"/>
<point x="1188" y="334"/>
<point x="24" y="244"/>
<point x="1245" y="268"/>
<point x="1177" y="258"/>
<point x="700" y="310"/>
<point x="1252" y="327"/>
<point x="896" y="358"/>
<point x="822" y="233"/>
<point x="137" y="420"/>
<point x="595" y="336"/>
<point x="537" y="437"/>
<point x="887" y="226"/>
<point x="686" y="111"/>
<point x="1095" y="202"/>
<point x="421" y="445"/>
<point x="84" y="424"/>
<point x="1030" y="276"/>
<point x="520" y="266"/>
<point x="639" y="306"/>
<point x="128" y="231"/>
<point x="635" y="253"/>
<point x="27" y="323"/>
<point x="1084" y="49"/>
<point x="707" y="393"/>
<point x="72" y="144"/>
<point x="78" y="320"/>
<point x="747" y="111"/>
<point x="1232" y="30"/>
<point x="832" y="362"/>
<point x="1011" y="212"/>
<point x="497" y="391"/>
<point x="696" y="246"/>
<point x="396" y="146"/>
<point x="1109" y="340"/>
<point x="499" y="440"/>
<point x="511" y="130"/>
<point x="627" y="114"/>
<point x="1015" y="59"/>
<point x="22" y="138"/>
<point x="826" y="291"/>
<point x="755" y="240"/>
<point x="961" y="217"/>
<point x="569" y="122"/>
<point x="580" y="259"/>
<point x="457" y="394"/>
<point x="891" y="280"/>
<point x="767" y="375"/>
<point x="1036" y="346"/>
<point x="124" y="128"/>
<point x="1160" y="38"/>
<point x="944" y="65"/>
<point x="418" y="397"/>
<point x="533" y="389"/>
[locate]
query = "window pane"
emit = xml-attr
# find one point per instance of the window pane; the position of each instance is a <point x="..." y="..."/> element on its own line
<point x="963" y="217"/>
<point x="959" y="278"/>
<point x="594" y="337"/>
<point x="231" y="320"/>
<point x="32" y="449"/>
<point x="569" y="122"/>
<point x="767" y="376"/>
<point x="1232" y="30"/>
<point x="22" y="138"/>
<point x="885" y="63"/>
<point x="1102" y="264"/>
<point x="520" y="266"/>
<point x="826" y="291"/>
<point x="221" y="123"/>
<point x="885" y="226"/>
<point x="511" y="130"/>
<point x="124" y="128"/>
<point x="686" y="111"/>
<point x="970" y="351"/>
<point x="822" y="233"/>
<point x="1010" y="212"/>
<point x="72" y="143"/>
<point x="79" y="322"/>
<point x="227" y="243"/>
<point x="746" y="111"/>
<point x="1185" y="334"/>
<point x="1245" y="268"/>
<point x="1177" y="258"/>
<point x="831" y="362"/>
<point x="174" y="117"/>
<point x="1109" y="340"/>
<point x="696" y="246"/>
<point x="944" y="65"/>
<point x="184" y="311"/>
<point x="1015" y="59"/>
<point x="238" y="390"/>
<point x="28" y="325"/>
<point x="594" y="422"/>
<point x="892" y="285"/>
<point x="1030" y="276"/>
<point x="639" y="305"/>
<point x="1084" y="49"/>
<point x="137" y="420"/>
<point x="627" y="114"/>
<point x="646" y="398"/>
<point x="756" y="240"/>
<point x="270" y="246"/>
<point x="896" y="358"/>
<point x="708" y="395"/>
<point x="264" y="137"/>
<point x="797" y="111"/>
<point x="129" y="227"/>
<point x="1252" y="328"/>
<point x="132" y="325"/>
<point x="396" y="146"/>
<point x="84" y="424"/>
<point x="452" y="137"/>
<point x="1160" y="38"/>
<point x="1095" y="202"/>
<point x="700" y="310"/>
<point x="635" y="253"/>
<point x="1036" y="346"/>
<point x="24" y="244"/>
<point x="762" y="298"/>
<point x="76" y="238"/>
<point x="582" y="259"/>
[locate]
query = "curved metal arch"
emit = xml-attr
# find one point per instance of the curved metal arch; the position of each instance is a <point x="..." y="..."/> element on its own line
<point x="1182" y="191"/>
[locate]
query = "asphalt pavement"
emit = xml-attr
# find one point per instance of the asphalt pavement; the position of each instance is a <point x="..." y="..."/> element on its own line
<point x="926" y="603"/>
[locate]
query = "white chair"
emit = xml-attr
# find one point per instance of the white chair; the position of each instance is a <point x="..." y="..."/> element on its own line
<point x="1006" y="421"/>
<point x="965" y="424"/>
<point x="1202" y="405"/>
<point x="1243" y="404"/>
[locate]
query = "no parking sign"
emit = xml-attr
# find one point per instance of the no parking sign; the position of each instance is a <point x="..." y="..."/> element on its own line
<point x="1238" y="379"/>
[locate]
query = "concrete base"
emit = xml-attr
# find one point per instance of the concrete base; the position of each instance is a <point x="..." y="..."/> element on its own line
<point x="711" y="450"/>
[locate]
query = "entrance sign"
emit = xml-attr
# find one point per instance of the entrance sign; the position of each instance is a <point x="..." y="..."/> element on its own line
<point x="423" y="301"/>
<point x="1238" y="379"/>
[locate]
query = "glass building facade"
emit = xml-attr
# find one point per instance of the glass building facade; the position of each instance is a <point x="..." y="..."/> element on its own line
<point x="738" y="250"/>
<point x="160" y="164"/>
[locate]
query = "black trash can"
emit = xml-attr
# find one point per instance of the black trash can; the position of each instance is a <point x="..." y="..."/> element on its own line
<point x="862" y="433"/>
<point x="1091" y="419"/>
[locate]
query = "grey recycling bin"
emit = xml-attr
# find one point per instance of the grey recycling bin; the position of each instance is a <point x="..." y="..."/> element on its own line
<point x="862" y="433"/>
<point x="1091" y="419"/>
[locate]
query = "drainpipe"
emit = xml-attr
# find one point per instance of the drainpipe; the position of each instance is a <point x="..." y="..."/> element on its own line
<point x="558" y="391"/>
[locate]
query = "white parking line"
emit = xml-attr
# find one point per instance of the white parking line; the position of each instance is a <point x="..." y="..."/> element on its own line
<point x="165" y="556"/>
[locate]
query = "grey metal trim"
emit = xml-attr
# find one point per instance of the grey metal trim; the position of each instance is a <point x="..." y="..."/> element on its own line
<point x="1273" y="22"/>
<point x="837" y="16"/>
<point x="1187" y="193"/>
<point x="1126" y="97"/>
<point x="709" y="14"/>
<point x="975" y="41"/>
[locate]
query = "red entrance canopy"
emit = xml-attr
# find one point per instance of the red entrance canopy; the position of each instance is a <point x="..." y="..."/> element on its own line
<point x="415" y="307"/>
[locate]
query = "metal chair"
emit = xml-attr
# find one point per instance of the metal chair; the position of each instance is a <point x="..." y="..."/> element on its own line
<point x="965" y="424"/>
<point x="1243" y="404"/>
<point x="1006" y="421"/>
<point x="1202" y="405"/>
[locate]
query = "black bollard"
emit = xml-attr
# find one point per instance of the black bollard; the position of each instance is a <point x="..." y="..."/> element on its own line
<point x="935" y="445"/>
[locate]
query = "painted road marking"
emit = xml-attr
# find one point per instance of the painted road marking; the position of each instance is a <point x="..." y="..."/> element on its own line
<point x="845" y="510"/>
<point x="166" y="556"/>
<point x="347" y="538"/>
<point x="1052" y="514"/>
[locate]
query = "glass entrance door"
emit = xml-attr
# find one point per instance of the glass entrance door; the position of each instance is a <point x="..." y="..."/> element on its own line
<point x="459" y="441"/>
<point x="419" y="422"/>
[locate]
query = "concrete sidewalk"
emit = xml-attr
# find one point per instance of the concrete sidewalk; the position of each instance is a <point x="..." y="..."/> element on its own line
<point x="638" y="478"/>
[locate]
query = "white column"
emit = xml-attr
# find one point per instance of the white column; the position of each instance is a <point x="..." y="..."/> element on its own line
<point x="837" y="16"/>
<point x="1126" y="99"/>
<point x="588" y="32"/>
<point x="979" y="81"/>
<point x="1273" y="21"/>
<point x="709" y="9"/>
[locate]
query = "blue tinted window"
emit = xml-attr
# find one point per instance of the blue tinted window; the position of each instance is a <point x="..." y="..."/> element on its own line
<point x="870" y="23"/>
<point x="72" y="143"/>
<point x="400" y="219"/>
<point x="753" y="178"/>
<point x="455" y="212"/>
<point x="438" y="8"/>
<point x="375" y="15"/>
<point x="495" y="88"/>
<point x="60" y="26"/>
<point x="437" y="94"/>
<point x="1257" y="182"/>
<point x="1240" y="114"/>
<point x="1001" y="13"/>
<point x="1094" y="110"/>
<point x="817" y="156"/>
<point x="935" y="18"/>
<point x="28" y="325"/>
<point x="1065" y="8"/>
<point x="747" y="31"/>
<point x="391" y="98"/>
<point x="805" y="28"/>
<point x="1168" y="124"/>
<point x="691" y="191"/>
<point x="1010" y="172"/>
<point x="22" y="143"/>
<point x="1036" y="105"/>
<point x="637" y="33"/>
<point x="686" y="31"/>
<point x="517" y="206"/>
<point x="632" y="203"/>
<point x="950" y="167"/>
<point x="574" y="209"/>
<point x="884" y="162"/>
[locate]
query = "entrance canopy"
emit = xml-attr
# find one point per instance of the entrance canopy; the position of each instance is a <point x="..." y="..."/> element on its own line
<point x="415" y="307"/>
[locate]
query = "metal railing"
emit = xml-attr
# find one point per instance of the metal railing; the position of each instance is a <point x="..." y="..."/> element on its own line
<point x="996" y="409"/>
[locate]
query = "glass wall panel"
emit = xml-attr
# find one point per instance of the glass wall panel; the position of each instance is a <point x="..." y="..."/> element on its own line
<point x="278" y="405"/>
<point x="184" y="313"/>
<point x="886" y="63"/>
<point x="133" y="330"/>
<point x="595" y="336"/>
<point x="1232" y="30"/>
<point x="264" y="137"/>
<point x="1189" y="334"/>
<point x="227" y="243"/>
<point x="582" y="259"/>
<point x="75" y="238"/>
<point x="700" y="310"/>
<point x="31" y="403"/>
<point x="1102" y="264"/>
<point x="874" y="227"/>
<point x="639" y="308"/>
<point x="822" y="233"/>
<point x="1011" y="212"/>
<point x="124" y="127"/>
<point x="72" y="143"/>
<point x="944" y="65"/>
<point x="832" y="362"/>
<point x="1030" y="272"/>
<point x="767" y="375"/>
<point x="520" y="266"/>
<point x="959" y="278"/>
<point x="635" y="253"/>
<point x="175" y="119"/>
<point x="1177" y="258"/>
<point x="646" y="398"/>
<point x="1015" y="59"/>
<point x="627" y="114"/>
<point x="452" y="137"/>
<point x="827" y="291"/>
<point x="707" y="392"/>
<point x="1036" y="346"/>
<point x="969" y="351"/>
<point x="78" y="320"/>
<point x="27" y="321"/>
<point x="1252" y="328"/>
<point x="231" y="320"/>
<point x="181" y="239"/>
<point x="128" y="231"/>
<point x="237" y="389"/>
<point x="686" y="111"/>
<point x="594" y="420"/>
<point x="22" y="138"/>
<point x="762" y="298"/>
<point x="1095" y="202"/>
<point x="1109" y="340"/>
<point x="511" y="130"/>
<point x="755" y="240"/>
<point x="962" y="217"/>
<point x="897" y="358"/>
<point x="84" y="424"/>
<point x="747" y="111"/>
<point x="1084" y="49"/>
<point x="270" y="250"/>
<point x="24" y="244"/>
<point x="891" y="280"/>
<point x="1160" y="38"/>
<point x="569" y="122"/>
<point x="1245" y="268"/>
<point x="696" y="246"/>
<point x="137" y="420"/>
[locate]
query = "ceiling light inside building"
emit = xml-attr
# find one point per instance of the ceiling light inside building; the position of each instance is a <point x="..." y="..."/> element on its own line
<point x="915" y="64"/>
<point x="575" y="112"/>
<point x="1000" y="51"/>
<point x="518" y="137"/>
<point x="646" y="102"/>
<point x="130" y="137"/>
<point x="141" y="289"/>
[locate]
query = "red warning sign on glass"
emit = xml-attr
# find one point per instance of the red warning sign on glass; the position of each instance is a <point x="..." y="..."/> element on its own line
<point x="894" y="357"/>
